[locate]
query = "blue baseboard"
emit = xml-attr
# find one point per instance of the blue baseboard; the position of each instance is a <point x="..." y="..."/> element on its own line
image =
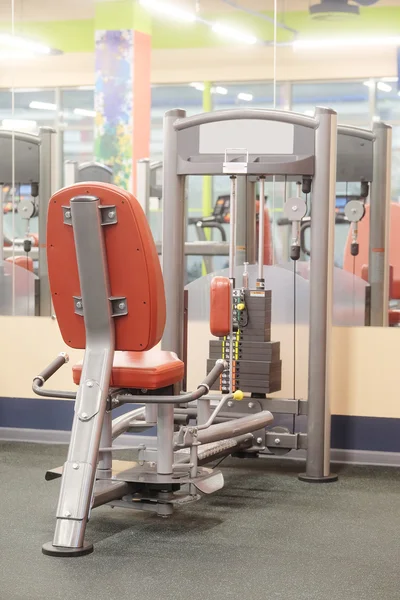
<point x="374" y="434"/>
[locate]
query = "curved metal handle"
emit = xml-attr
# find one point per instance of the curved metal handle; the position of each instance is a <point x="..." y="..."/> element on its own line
<point x="305" y="225"/>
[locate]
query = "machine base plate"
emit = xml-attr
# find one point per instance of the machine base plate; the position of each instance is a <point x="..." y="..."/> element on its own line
<point x="63" y="552"/>
<point x="326" y="479"/>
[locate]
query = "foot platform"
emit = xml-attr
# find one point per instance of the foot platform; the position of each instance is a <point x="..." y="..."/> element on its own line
<point x="325" y="479"/>
<point x="64" y="552"/>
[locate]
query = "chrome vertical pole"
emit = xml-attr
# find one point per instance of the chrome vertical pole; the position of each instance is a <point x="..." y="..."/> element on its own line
<point x="261" y="234"/>
<point x="251" y="244"/>
<point x="241" y="214"/>
<point x="45" y="193"/>
<point x="232" y="239"/>
<point x="143" y="184"/>
<point x="321" y="298"/>
<point x="173" y="242"/>
<point x="380" y="198"/>
<point x="173" y="266"/>
<point x="70" y="172"/>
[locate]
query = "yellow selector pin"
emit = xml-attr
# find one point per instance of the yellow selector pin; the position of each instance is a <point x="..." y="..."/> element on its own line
<point x="238" y="395"/>
<point x="241" y="306"/>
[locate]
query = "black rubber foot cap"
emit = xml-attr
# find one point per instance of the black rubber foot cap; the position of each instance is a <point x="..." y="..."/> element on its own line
<point x="326" y="479"/>
<point x="63" y="552"/>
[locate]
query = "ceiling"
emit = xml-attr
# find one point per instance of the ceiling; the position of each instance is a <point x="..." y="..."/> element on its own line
<point x="49" y="10"/>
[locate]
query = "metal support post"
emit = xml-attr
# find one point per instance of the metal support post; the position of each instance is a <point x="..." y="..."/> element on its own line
<point x="173" y="265"/>
<point x="143" y="184"/>
<point x="321" y="298"/>
<point x="165" y="442"/>
<point x="173" y="242"/>
<point x="80" y="469"/>
<point x="241" y="214"/>
<point x="105" y="456"/>
<point x="251" y="243"/>
<point x="261" y="234"/>
<point x="45" y="193"/>
<point x="380" y="198"/>
<point x="70" y="172"/>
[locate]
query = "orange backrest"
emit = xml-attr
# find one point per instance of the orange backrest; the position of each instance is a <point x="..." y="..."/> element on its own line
<point x="363" y="239"/>
<point x="220" y="306"/>
<point x="133" y="267"/>
<point x="22" y="261"/>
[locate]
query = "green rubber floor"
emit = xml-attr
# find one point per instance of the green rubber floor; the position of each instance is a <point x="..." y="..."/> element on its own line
<point x="266" y="535"/>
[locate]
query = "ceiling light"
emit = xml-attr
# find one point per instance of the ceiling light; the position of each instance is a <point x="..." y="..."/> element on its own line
<point x="234" y="34"/>
<point x="198" y="86"/>
<point x="42" y="105"/>
<point x="369" y="83"/>
<point x="16" y="55"/>
<point x="345" y="43"/>
<point x="244" y="96"/>
<point x="309" y="113"/>
<point x="169" y="10"/>
<point x="19" y="124"/>
<point x="384" y="87"/>
<point x="219" y="90"/>
<point x="84" y="112"/>
<point x="9" y="42"/>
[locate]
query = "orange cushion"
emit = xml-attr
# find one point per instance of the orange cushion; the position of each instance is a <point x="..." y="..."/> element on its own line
<point x="152" y="370"/>
<point x="220" y="306"/>
<point x="22" y="261"/>
<point x="394" y="317"/>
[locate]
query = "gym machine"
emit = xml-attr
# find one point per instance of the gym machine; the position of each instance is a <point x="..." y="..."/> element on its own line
<point x="108" y="296"/>
<point x="32" y="156"/>
<point x="260" y="143"/>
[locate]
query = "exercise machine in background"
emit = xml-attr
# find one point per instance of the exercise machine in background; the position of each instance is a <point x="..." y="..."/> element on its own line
<point x="89" y="171"/>
<point x="32" y="172"/>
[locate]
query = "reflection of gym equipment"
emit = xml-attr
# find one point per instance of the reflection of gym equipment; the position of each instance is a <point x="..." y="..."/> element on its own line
<point x="32" y="157"/>
<point x="272" y="143"/>
<point x="364" y="157"/>
<point x="89" y="171"/>
<point x="149" y="185"/>
<point x="360" y="264"/>
<point x="108" y="295"/>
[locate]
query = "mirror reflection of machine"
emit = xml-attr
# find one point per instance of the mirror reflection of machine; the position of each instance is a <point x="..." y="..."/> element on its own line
<point x="25" y="182"/>
<point x="89" y="171"/>
<point x="343" y="221"/>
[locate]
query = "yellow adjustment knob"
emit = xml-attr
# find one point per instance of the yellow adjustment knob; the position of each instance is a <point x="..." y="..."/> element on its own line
<point x="238" y="395"/>
<point x="241" y="306"/>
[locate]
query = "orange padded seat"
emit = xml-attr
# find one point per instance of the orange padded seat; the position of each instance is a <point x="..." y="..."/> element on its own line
<point x="152" y="370"/>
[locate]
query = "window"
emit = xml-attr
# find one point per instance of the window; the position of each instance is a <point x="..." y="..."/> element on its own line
<point x="349" y="99"/>
<point x="78" y="114"/>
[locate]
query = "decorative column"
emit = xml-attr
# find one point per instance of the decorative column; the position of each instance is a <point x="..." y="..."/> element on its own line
<point x="122" y="89"/>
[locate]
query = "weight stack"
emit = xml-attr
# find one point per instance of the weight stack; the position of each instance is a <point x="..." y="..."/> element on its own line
<point x="257" y="367"/>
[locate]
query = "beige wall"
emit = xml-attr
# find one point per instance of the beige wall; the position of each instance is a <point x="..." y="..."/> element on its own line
<point x="226" y="64"/>
<point x="365" y="370"/>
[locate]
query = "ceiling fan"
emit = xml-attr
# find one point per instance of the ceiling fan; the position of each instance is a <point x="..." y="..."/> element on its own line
<point x="334" y="9"/>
